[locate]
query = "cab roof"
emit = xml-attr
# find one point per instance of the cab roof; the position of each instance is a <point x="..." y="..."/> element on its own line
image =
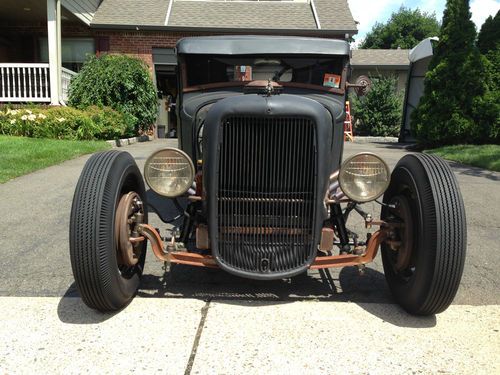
<point x="261" y="45"/>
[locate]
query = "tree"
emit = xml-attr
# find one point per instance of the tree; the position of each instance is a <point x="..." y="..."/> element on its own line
<point x="488" y="107"/>
<point x="379" y="112"/>
<point x="405" y="29"/>
<point x="455" y="105"/>
<point x="489" y="36"/>
<point x="120" y="82"/>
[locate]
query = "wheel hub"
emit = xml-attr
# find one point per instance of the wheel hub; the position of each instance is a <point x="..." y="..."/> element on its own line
<point x="402" y="237"/>
<point x="129" y="213"/>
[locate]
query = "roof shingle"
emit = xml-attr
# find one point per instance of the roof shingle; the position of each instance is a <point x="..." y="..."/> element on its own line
<point x="334" y="15"/>
<point x="380" y="58"/>
<point x="249" y="15"/>
<point x="131" y="12"/>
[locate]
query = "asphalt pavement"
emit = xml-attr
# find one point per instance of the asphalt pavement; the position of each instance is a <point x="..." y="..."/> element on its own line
<point x="192" y="320"/>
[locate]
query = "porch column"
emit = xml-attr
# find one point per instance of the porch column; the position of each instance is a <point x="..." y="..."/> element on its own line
<point x="53" y="34"/>
<point x="59" y="50"/>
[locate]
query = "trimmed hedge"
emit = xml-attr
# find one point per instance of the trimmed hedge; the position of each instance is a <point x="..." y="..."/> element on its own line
<point x="120" y="82"/>
<point x="66" y="123"/>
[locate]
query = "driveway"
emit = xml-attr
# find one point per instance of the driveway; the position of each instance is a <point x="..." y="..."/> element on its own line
<point x="206" y="321"/>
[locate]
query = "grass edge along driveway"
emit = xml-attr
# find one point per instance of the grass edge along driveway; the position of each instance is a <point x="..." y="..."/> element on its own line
<point x="482" y="156"/>
<point x="22" y="155"/>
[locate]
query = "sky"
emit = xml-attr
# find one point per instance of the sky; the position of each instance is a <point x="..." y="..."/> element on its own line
<point x="367" y="12"/>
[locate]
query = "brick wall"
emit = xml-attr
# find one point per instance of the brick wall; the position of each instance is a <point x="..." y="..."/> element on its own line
<point x="141" y="43"/>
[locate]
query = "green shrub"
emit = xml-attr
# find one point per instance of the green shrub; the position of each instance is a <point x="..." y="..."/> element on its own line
<point x="66" y="123"/>
<point x="379" y="112"/>
<point x="112" y="124"/>
<point x="120" y="82"/>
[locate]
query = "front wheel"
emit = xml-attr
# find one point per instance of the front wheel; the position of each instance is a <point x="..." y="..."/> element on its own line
<point x="424" y="256"/>
<point x="108" y="204"/>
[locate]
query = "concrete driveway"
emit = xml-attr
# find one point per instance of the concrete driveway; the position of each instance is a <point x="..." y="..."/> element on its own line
<point x="191" y="320"/>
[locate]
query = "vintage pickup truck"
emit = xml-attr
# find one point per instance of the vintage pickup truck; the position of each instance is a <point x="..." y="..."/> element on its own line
<point x="261" y="134"/>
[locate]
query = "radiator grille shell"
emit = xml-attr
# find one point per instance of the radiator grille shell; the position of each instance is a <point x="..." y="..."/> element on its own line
<point x="266" y="193"/>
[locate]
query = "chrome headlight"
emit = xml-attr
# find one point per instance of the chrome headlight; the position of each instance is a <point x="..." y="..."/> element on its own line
<point x="169" y="172"/>
<point x="364" y="177"/>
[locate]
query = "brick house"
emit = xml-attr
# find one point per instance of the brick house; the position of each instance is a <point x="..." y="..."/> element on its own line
<point x="57" y="35"/>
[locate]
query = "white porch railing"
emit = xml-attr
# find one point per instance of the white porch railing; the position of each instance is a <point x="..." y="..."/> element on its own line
<point x="21" y="82"/>
<point x="24" y="83"/>
<point x="66" y="76"/>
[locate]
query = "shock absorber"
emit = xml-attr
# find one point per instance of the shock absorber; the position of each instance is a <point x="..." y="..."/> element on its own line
<point x="338" y="220"/>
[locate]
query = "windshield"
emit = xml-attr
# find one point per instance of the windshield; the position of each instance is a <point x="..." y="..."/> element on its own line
<point x="318" y="71"/>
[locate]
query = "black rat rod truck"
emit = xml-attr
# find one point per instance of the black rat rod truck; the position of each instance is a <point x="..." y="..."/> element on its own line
<point x="260" y="182"/>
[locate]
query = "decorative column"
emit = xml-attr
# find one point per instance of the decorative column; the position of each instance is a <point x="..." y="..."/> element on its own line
<point x="54" y="41"/>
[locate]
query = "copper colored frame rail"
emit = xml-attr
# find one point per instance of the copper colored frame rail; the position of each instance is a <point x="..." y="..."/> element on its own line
<point x="198" y="260"/>
<point x="349" y="259"/>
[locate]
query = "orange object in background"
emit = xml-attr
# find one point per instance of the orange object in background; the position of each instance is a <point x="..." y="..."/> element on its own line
<point x="348" y="132"/>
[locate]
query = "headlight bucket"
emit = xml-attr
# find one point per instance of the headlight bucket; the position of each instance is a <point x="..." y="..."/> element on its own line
<point x="169" y="172"/>
<point x="364" y="177"/>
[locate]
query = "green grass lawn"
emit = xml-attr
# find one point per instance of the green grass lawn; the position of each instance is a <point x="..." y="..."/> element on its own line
<point x="483" y="156"/>
<point x="20" y="155"/>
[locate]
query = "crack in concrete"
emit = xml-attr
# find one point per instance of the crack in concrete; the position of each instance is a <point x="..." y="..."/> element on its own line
<point x="196" y="342"/>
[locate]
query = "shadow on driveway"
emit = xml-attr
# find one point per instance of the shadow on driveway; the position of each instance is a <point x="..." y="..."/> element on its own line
<point x="468" y="170"/>
<point x="369" y="291"/>
<point x="72" y="310"/>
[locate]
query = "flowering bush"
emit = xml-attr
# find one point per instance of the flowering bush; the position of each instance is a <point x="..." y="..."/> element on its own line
<point x="65" y="123"/>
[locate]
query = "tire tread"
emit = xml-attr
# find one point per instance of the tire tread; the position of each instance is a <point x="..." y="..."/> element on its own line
<point x="450" y="252"/>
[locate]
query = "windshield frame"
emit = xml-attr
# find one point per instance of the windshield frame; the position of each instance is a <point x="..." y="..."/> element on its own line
<point x="210" y="86"/>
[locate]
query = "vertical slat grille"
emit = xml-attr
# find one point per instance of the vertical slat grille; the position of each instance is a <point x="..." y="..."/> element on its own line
<point x="266" y="194"/>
